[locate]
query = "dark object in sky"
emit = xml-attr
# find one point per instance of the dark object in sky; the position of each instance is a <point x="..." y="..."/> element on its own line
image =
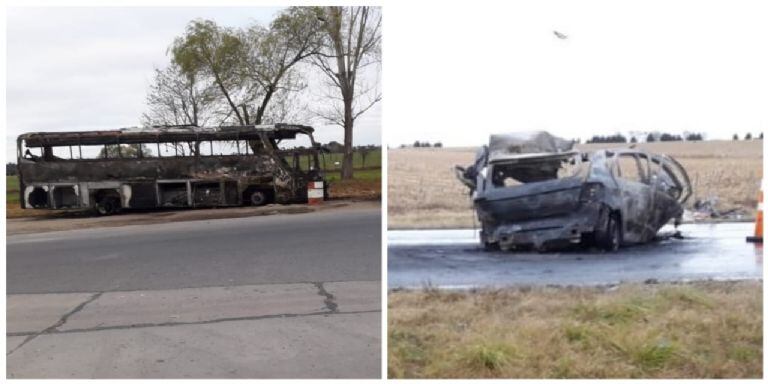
<point x="534" y="190"/>
<point x="560" y="35"/>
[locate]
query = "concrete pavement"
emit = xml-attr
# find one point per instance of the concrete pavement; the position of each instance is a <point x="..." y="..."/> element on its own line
<point x="322" y="330"/>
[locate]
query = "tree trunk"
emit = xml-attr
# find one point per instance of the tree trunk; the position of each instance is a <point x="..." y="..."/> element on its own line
<point x="346" y="163"/>
<point x="264" y="102"/>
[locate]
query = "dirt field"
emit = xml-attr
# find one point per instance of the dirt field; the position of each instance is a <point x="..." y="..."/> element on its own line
<point x="696" y="330"/>
<point x="424" y="193"/>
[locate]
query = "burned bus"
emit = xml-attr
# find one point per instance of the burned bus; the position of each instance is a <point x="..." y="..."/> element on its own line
<point x="192" y="167"/>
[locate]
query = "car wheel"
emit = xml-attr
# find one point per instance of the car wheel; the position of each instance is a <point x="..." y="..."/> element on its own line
<point x="108" y="206"/>
<point x="258" y="198"/>
<point x="490" y="247"/>
<point x="611" y="241"/>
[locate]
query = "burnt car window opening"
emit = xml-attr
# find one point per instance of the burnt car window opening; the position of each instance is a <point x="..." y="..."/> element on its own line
<point x="629" y="168"/>
<point x="509" y="174"/>
<point x="666" y="181"/>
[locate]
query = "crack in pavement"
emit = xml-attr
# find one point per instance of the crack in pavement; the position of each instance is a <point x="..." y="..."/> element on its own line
<point x="52" y="328"/>
<point x="329" y="298"/>
<point x="119" y="290"/>
<point x="329" y="301"/>
<point x="171" y="324"/>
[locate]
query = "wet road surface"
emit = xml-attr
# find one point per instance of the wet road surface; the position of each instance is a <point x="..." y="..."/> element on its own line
<point x="454" y="259"/>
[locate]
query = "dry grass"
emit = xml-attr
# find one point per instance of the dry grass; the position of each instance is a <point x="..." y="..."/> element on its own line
<point x="696" y="330"/>
<point x="358" y="189"/>
<point x="424" y="193"/>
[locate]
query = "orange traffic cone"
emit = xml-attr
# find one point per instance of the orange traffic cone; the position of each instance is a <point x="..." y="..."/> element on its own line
<point x="758" y="237"/>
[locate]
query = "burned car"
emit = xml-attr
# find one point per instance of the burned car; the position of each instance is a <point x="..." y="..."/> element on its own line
<point x="534" y="190"/>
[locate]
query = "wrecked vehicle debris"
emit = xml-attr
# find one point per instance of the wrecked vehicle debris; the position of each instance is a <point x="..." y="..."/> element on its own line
<point x="534" y="190"/>
<point x="204" y="167"/>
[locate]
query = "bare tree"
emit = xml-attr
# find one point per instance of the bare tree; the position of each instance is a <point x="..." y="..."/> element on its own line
<point x="287" y="106"/>
<point x="272" y="55"/>
<point x="178" y="99"/>
<point x="353" y="42"/>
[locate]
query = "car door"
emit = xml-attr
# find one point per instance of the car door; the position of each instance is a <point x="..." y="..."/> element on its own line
<point x="636" y="196"/>
<point x="671" y="188"/>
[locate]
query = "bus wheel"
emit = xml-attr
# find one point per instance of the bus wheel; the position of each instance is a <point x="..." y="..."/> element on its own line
<point x="258" y="198"/>
<point x="108" y="205"/>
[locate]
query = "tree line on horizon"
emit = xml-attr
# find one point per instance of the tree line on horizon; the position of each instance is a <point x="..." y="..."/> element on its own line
<point x="654" y="137"/>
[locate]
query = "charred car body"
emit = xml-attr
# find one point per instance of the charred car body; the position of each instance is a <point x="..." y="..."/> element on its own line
<point x="533" y="190"/>
<point x="258" y="172"/>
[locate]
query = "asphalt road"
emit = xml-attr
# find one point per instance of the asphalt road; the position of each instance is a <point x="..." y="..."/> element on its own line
<point x="342" y="245"/>
<point x="453" y="259"/>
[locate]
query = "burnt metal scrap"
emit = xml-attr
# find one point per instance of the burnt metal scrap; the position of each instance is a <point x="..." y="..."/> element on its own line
<point x="534" y="190"/>
<point x="255" y="175"/>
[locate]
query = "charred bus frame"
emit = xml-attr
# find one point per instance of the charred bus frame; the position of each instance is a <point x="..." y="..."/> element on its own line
<point x="256" y="175"/>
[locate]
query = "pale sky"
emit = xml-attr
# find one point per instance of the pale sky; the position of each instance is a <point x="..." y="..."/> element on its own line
<point x="456" y="74"/>
<point x="82" y="68"/>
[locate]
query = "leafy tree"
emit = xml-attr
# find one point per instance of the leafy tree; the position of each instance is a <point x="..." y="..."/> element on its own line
<point x="748" y="136"/>
<point x="617" y="138"/>
<point x="694" y="137"/>
<point x="215" y="52"/>
<point x="669" y="137"/>
<point x="250" y="67"/>
<point x="11" y="169"/>
<point x="735" y="136"/>
<point x="352" y="43"/>
<point x="650" y="138"/>
<point x="633" y="140"/>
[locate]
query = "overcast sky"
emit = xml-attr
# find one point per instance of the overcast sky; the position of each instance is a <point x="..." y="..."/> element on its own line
<point x="457" y="74"/>
<point x="81" y="68"/>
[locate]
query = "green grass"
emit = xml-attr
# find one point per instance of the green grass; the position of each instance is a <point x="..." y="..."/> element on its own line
<point x="11" y="190"/>
<point x="328" y="160"/>
<point x="368" y="174"/>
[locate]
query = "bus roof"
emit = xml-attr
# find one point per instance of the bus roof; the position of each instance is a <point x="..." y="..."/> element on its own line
<point x="173" y="133"/>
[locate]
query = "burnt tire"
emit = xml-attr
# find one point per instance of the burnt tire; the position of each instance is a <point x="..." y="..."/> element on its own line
<point x="108" y="205"/>
<point x="258" y="198"/>
<point x="490" y="247"/>
<point x="609" y="238"/>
